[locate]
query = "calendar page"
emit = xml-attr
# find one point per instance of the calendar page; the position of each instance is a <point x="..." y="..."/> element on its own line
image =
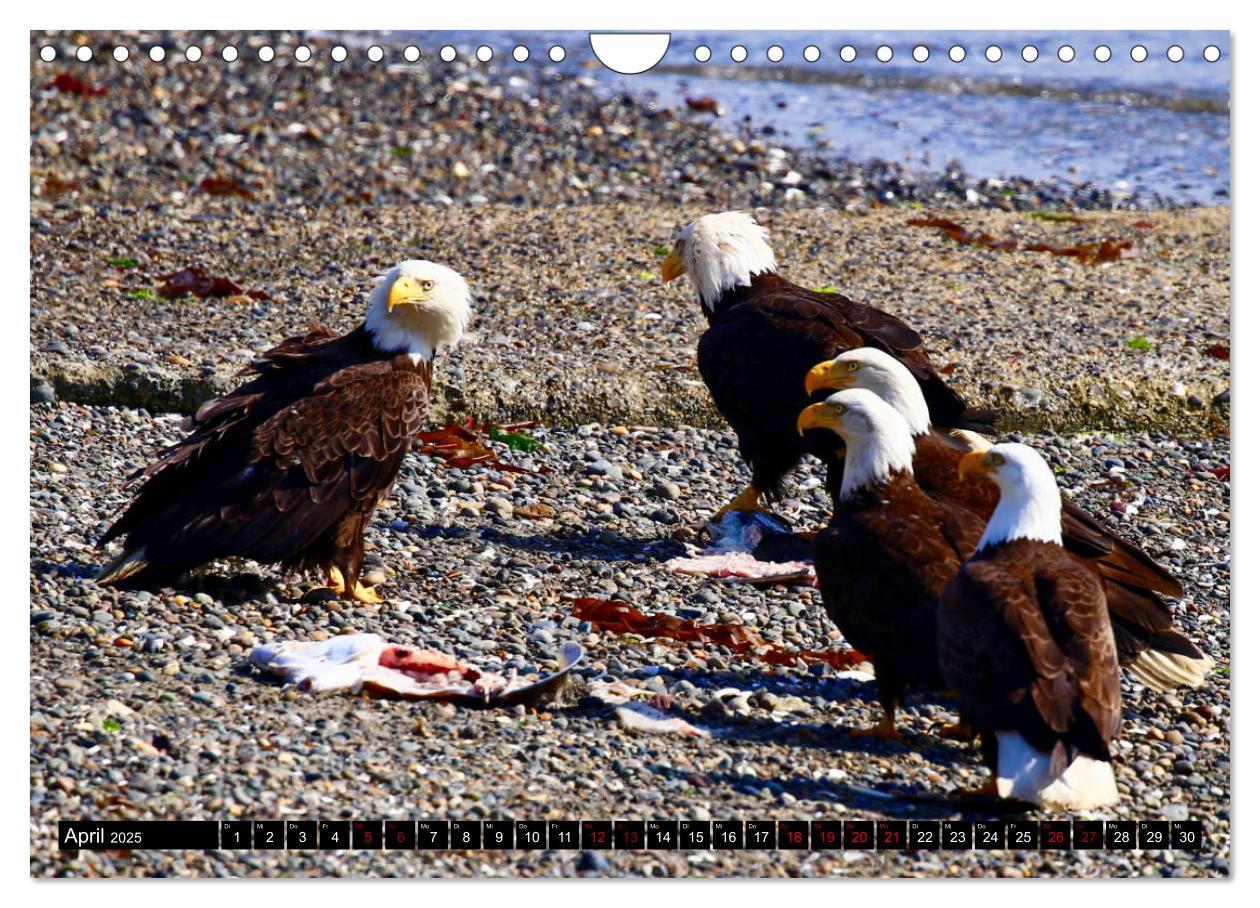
<point x="695" y="453"/>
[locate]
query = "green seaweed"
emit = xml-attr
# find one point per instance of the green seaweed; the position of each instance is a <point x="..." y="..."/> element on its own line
<point x="517" y="441"/>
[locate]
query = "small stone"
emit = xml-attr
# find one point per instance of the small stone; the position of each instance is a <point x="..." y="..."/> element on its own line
<point x="43" y="393"/>
<point x="592" y="862"/>
<point x="666" y="490"/>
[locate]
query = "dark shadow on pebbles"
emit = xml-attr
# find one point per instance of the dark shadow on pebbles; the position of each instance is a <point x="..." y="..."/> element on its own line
<point x="592" y="545"/>
<point x="889" y="802"/>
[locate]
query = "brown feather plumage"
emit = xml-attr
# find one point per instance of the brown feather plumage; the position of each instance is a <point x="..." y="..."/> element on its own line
<point x="762" y="340"/>
<point x="287" y="468"/>
<point x="1026" y="642"/>
<point x="1131" y="581"/>
<point x="882" y="563"/>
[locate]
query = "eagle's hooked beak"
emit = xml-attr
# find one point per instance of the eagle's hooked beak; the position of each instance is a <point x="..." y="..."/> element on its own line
<point x="975" y="463"/>
<point x="829" y="374"/>
<point x="406" y="291"/>
<point x="672" y="267"/>
<point x="818" y="416"/>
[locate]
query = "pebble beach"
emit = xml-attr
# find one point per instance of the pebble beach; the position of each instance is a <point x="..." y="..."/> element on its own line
<point x="300" y="184"/>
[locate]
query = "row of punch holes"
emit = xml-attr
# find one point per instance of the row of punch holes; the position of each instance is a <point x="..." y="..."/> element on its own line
<point x="811" y="53"/>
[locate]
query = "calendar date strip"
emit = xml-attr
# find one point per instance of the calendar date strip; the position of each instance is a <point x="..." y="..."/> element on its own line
<point x="631" y="835"/>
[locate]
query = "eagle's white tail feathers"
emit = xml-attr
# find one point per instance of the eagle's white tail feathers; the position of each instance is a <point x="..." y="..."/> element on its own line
<point x="125" y="565"/>
<point x="1163" y="672"/>
<point x="1024" y="773"/>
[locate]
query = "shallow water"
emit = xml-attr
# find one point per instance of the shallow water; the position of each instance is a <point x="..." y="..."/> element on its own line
<point x="1154" y="127"/>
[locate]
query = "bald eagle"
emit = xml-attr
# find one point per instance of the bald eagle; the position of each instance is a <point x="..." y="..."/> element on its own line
<point x="888" y="550"/>
<point x="1150" y="645"/>
<point x="1026" y="643"/>
<point x="291" y="465"/>
<point x="764" y="335"/>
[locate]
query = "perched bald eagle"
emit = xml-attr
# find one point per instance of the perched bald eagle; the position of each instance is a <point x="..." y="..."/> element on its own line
<point x="765" y="333"/>
<point x="289" y="467"/>
<point x="1148" y="641"/>
<point x="1026" y="643"/>
<point x="889" y="549"/>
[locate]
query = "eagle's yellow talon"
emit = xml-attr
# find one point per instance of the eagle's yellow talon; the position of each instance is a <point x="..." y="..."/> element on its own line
<point x="747" y="500"/>
<point x="883" y="730"/>
<point x="366" y="594"/>
<point x="957" y="731"/>
<point x="336" y="582"/>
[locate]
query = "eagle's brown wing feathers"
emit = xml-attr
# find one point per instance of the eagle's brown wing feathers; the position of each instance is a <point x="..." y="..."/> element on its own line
<point x="1053" y="649"/>
<point x="1132" y="581"/>
<point x="315" y="438"/>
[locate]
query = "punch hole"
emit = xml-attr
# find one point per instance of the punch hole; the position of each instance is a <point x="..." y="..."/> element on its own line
<point x="739" y="53"/>
<point x="774" y="53"/>
<point x="993" y="53"/>
<point x="629" y="53"/>
<point x="556" y="53"/>
<point x="485" y="53"/>
<point x="702" y="54"/>
<point x="48" y="54"/>
<point x="958" y="53"/>
<point x="339" y="54"/>
<point x="1211" y="53"/>
<point x="192" y="54"/>
<point x="920" y="53"/>
<point x="811" y="53"/>
<point x="1067" y="53"/>
<point x="157" y="53"/>
<point x="883" y="53"/>
<point x="229" y="54"/>
<point x="121" y="54"/>
<point x="411" y="53"/>
<point x="848" y="53"/>
<point x="83" y="54"/>
<point x="1176" y="54"/>
<point x="266" y="53"/>
<point x="1138" y="53"/>
<point x="520" y="53"/>
<point x="447" y="53"/>
<point x="302" y="53"/>
<point x="1029" y="53"/>
<point x="1102" y="53"/>
<point x="375" y="53"/>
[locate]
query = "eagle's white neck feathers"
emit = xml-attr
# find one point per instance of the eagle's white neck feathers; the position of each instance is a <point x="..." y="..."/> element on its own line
<point x="420" y="330"/>
<point x="1030" y="505"/>
<point x="877" y="441"/>
<point x="892" y="382"/>
<point x="724" y="251"/>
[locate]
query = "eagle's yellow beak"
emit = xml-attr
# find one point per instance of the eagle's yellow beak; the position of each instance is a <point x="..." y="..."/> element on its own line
<point x="829" y="374"/>
<point x="818" y="416"/>
<point x="406" y="291"/>
<point x="975" y="463"/>
<point x="672" y="267"/>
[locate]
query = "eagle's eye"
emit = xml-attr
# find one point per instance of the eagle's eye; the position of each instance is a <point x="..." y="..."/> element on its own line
<point x="853" y="366"/>
<point x="426" y="286"/>
<point x="996" y="459"/>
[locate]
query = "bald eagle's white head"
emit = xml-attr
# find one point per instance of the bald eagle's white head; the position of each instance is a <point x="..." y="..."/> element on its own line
<point x="418" y="307"/>
<point x="877" y="440"/>
<point x="1030" y="504"/>
<point x="877" y="371"/>
<point x="719" y="252"/>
